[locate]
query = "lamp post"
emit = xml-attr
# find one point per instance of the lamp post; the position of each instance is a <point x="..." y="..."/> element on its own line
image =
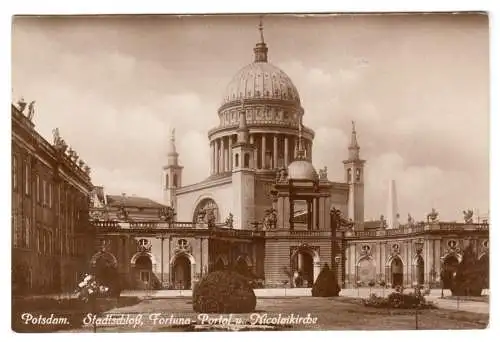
<point x="167" y="214"/>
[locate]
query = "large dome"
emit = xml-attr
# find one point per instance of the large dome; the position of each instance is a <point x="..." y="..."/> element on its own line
<point x="261" y="80"/>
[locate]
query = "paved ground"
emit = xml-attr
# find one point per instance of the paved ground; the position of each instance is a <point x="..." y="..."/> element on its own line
<point x="463" y="304"/>
<point x="342" y="313"/>
<point x="435" y="296"/>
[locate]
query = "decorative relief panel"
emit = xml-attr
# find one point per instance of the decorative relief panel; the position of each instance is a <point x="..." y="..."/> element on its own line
<point x="304" y="246"/>
<point x="143" y="245"/>
<point x="365" y="249"/>
<point x="182" y="246"/>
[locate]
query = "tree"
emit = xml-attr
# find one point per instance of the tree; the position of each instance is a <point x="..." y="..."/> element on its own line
<point x="468" y="280"/>
<point x="326" y="284"/>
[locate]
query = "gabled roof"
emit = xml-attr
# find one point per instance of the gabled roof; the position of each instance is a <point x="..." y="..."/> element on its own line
<point x="132" y="201"/>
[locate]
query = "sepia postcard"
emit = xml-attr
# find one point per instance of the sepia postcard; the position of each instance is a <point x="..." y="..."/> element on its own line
<point x="250" y="172"/>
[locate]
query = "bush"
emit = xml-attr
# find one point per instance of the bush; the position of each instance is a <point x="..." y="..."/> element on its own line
<point x="223" y="292"/>
<point x="326" y="284"/>
<point x="398" y="300"/>
<point x="469" y="278"/>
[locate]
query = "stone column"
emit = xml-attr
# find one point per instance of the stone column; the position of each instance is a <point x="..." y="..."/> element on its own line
<point x="295" y="147"/>
<point x="286" y="151"/>
<point x="309" y="150"/>
<point x="217" y="156"/>
<point x="212" y="158"/>
<point x="275" y="152"/>
<point x="316" y="210"/>
<point x="263" y="151"/>
<point x="300" y="261"/>
<point x="223" y="149"/>
<point x="230" y="153"/>
<point x="255" y="152"/>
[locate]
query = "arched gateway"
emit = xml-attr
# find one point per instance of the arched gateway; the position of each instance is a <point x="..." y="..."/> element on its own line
<point x="305" y="263"/>
<point x="182" y="267"/>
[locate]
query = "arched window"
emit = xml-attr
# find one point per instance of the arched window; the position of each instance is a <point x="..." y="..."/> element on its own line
<point x="236" y="160"/>
<point x="247" y="160"/>
<point x="166" y="181"/>
<point x="175" y="180"/>
<point x="358" y="175"/>
<point x="349" y="175"/>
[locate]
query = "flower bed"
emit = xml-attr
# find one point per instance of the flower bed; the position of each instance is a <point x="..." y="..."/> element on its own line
<point x="398" y="300"/>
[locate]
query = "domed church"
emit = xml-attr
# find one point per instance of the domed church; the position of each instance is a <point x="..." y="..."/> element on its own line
<point x="265" y="211"/>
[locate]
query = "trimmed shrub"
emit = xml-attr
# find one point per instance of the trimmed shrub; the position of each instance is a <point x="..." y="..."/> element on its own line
<point x="326" y="284"/>
<point x="469" y="278"/>
<point x="224" y="292"/>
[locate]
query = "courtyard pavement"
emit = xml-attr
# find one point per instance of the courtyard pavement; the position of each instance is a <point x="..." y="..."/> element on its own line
<point x="434" y="296"/>
<point x="463" y="304"/>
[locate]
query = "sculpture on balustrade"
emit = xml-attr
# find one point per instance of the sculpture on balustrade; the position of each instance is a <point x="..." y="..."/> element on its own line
<point x="87" y="169"/>
<point x="167" y="214"/>
<point x="21" y="105"/>
<point x="339" y="220"/>
<point x="411" y="220"/>
<point x="281" y="175"/>
<point x="59" y="143"/>
<point x="270" y="219"/>
<point x="383" y="222"/>
<point x="468" y="216"/>
<point x="74" y="158"/>
<point x="432" y="216"/>
<point x="31" y="110"/>
<point x="323" y="174"/>
<point x="229" y="220"/>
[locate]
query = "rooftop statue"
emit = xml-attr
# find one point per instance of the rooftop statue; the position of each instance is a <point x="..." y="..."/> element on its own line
<point x="468" y="216"/>
<point x="432" y="216"/>
<point x="31" y="110"/>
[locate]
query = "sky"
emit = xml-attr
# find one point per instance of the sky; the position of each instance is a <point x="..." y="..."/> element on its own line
<point x="417" y="87"/>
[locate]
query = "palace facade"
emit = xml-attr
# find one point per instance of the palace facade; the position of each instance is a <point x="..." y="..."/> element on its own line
<point x="51" y="235"/>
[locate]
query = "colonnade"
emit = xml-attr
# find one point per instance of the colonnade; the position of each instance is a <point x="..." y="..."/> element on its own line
<point x="272" y="151"/>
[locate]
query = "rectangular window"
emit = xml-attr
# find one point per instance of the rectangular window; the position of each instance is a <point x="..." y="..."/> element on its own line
<point x="37" y="188"/>
<point x="45" y="196"/>
<point x="15" y="226"/>
<point x="26" y="178"/>
<point x="14" y="172"/>
<point x="37" y="239"/>
<point x="27" y="233"/>
<point x="50" y="195"/>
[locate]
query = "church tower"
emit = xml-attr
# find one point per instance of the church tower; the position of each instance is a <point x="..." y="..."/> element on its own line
<point x="243" y="176"/>
<point x="172" y="174"/>
<point x="354" y="176"/>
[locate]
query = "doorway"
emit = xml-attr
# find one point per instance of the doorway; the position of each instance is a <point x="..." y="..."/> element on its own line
<point x="396" y="272"/>
<point x="182" y="273"/>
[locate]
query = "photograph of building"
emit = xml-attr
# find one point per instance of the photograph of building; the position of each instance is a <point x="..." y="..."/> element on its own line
<point x="262" y="207"/>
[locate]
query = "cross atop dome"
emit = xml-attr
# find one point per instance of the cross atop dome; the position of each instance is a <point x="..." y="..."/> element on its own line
<point x="260" y="49"/>
<point x="261" y="29"/>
